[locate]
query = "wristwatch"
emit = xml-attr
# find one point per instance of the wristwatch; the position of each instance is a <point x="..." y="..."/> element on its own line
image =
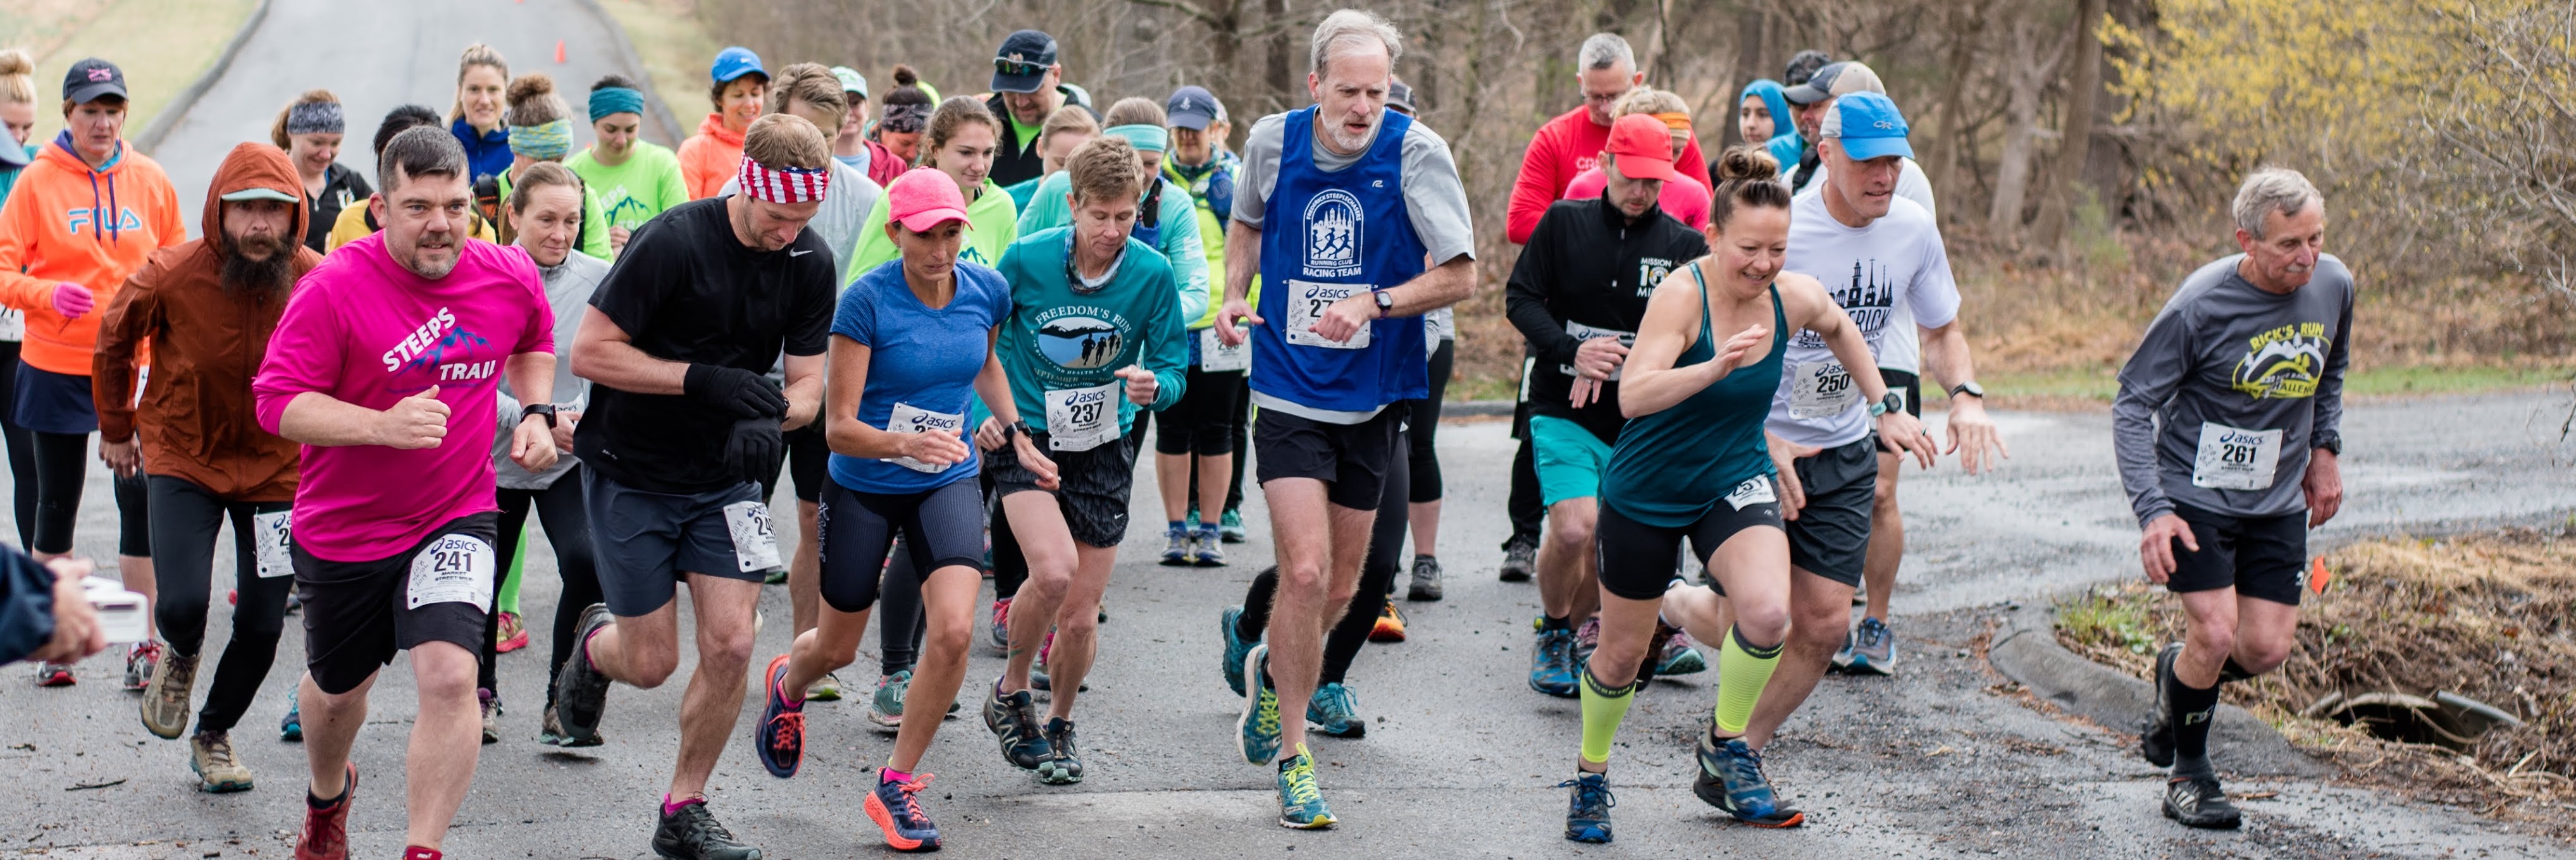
<point x="1893" y="402"/>
<point x="2331" y="442"/>
<point x="1385" y="303"/>
<point x="1970" y="388"/>
<point x="1022" y="427"/>
<point x="545" y="409"/>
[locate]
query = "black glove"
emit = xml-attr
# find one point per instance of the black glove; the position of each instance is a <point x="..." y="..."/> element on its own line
<point x="734" y="391"/>
<point x="755" y="449"/>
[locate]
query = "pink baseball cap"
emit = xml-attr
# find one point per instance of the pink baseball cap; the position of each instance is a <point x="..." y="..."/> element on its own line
<point x="924" y="198"/>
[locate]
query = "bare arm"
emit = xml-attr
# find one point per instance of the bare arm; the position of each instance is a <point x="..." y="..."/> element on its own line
<point x="320" y="420"/>
<point x="804" y="390"/>
<point x="605" y="354"/>
<point x="1972" y="434"/>
<point x="1649" y="383"/>
<point x="1242" y="262"/>
<point x="532" y="439"/>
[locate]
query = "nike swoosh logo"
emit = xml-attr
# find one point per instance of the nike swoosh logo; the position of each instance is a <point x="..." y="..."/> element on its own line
<point x="798" y="253"/>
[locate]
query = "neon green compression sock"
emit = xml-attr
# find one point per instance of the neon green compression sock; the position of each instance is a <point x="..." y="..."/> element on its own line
<point x="509" y="596"/>
<point x="1603" y="709"/>
<point x="1742" y="669"/>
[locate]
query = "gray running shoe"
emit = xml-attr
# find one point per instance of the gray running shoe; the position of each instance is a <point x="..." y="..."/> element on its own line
<point x="1426" y="579"/>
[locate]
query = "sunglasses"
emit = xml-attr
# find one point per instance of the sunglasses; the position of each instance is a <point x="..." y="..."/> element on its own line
<point x="1011" y="67"/>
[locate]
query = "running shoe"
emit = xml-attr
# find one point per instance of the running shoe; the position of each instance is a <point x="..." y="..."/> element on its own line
<point x="165" y="699"/>
<point x="54" y="675"/>
<point x="1236" y="647"/>
<point x="1038" y="678"/>
<point x="1064" y="766"/>
<point x="692" y="833"/>
<point x="886" y="707"/>
<point x="1211" y="548"/>
<point x="1301" y="804"/>
<point x="581" y="690"/>
<point x="1730" y="778"/>
<point x="290" y="728"/>
<point x="896" y="808"/>
<point x="1587" y="637"/>
<point x="140" y="662"/>
<point x="1257" y="733"/>
<point x="1180" y="546"/>
<point x="326" y="828"/>
<point x="1520" y="560"/>
<point x="1390" y="626"/>
<point x="1680" y="657"/>
<point x="490" y="703"/>
<point x="780" y="739"/>
<point x="1335" y="711"/>
<point x="294" y="602"/>
<point x="1587" y="815"/>
<point x="1426" y="579"/>
<point x="1229" y="525"/>
<point x="1001" y="629"/>
<point x="2156" y="735"/>
<point x="824" y="689"/>
<point x="2199" y="802"/>
<point x="1872" y="649"/>
<point x="512" y="634"/>
<point x="1014" y="722"/>
<point x="775" y="577"/>
<point x="219" y="771"/>
<point x="1552" y="664"/>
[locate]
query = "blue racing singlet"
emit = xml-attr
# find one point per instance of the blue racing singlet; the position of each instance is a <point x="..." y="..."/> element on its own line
<point x="1327" y="236"/>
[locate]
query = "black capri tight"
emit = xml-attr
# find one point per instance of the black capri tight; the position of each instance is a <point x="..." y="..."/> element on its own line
<point x="1425" y="432"/>
<point x="941" y="528"/>
<point x="561" y="507"/>
<point x="62" y="471"/>
<point x="184" y="524"/>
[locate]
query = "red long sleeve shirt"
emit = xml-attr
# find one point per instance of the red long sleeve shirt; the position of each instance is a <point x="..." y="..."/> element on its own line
<point x="1567" y="145"/>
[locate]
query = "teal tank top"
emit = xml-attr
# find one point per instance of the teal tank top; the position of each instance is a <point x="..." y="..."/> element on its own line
<point x="1671" y="467"/>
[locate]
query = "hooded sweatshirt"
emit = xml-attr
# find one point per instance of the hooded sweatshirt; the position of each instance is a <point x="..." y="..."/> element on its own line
<point x="66" y="223"/>
<point x="710" y="157"/>
<point x="1785" y="146"/>
<point x="197" y="419"/>
<point x="487" y="153"/>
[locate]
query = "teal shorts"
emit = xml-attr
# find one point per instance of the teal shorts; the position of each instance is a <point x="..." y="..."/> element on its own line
<point x="1569" y="459"/>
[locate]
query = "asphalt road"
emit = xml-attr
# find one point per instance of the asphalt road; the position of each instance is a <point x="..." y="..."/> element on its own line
<point x="375" y="56"/>
<point x="1460" y="756"/>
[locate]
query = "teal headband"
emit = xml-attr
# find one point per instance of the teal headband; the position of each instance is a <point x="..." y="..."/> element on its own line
<point x="609" y="100"/>
<point x="544" y="142"/>
<point x="1150" y="138"/>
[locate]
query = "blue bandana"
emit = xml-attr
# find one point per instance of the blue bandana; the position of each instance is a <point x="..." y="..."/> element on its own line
<point x="1150" y="138"/>
<point x="609" y="100"/>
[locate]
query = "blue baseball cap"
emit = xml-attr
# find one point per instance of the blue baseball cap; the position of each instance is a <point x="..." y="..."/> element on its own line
<point x="1191" y="107"/>
<point x="735" y="62"/>
<point x="1868" y="126"/>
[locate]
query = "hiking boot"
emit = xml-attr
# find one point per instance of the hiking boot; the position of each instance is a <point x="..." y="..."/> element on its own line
<point x="1426" y="579"/>
<point x="219" y="771"/>
<point x="165" y="698"/>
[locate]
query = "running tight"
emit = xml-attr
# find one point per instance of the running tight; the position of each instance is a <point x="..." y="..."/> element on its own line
<point x="184" y="522"/>
<point x="560" y="507"/>
<point x="22" y="449"/>
<point x="62" y="469"/>
<point x="1386" y="547"/>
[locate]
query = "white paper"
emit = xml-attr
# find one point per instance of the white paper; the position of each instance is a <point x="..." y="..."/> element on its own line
<point x="908" y="418"/>
<point x="2235" y="459"/>
<point x="1581" y="332"/>
<point x="274" y="531"/>
<point x="1216" y="357"/>
<point x="1306" y="303"/>
<point x="1821" y="389"/>
<point x="452" y="569"/>
<point x="755" y="538"/>
<point x="1755" y="490"/>
<point x="1079" y="419"/>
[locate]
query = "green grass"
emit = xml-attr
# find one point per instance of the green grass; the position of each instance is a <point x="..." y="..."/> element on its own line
<point x="2111" y="617"/>
<point x="161" y="45"/>
<point x="675" y="50"/>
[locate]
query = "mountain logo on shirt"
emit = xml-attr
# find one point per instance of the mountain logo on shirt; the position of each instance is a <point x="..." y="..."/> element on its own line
<point x="1080" y="342"/>
<point x="1335" y="232"/>
<point x="1867" y="298"/>
<point x="2283" y="363"/>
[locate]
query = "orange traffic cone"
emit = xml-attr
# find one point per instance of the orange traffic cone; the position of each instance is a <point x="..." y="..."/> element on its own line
<point x="559" y="51"/>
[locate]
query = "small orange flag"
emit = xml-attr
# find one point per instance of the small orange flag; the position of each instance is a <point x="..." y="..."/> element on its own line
<point x="2318" y="575"/>
<point x="559" y="51"/>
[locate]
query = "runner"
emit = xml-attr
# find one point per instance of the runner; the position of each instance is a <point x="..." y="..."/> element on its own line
<point x="853" y="146"/>
<point x="1762" y="117"/>
<point x="1066" y="130"/>
<point x="913" y="342"/>
<point x="1690" y="464"/>
<point x="635" y="179"/>
<point x="66" y="247"/>
<point x="1095" y="313"/>
<point x="310" y="130"/>
<point x="906" y="78"/>
<point x="541" y="133"/>
<point x="18" y="115"/>
<point x="1348" y="345"/>
<point x="481" y="76"/>
<point x="1028" y="85"/>
<point x="1199" y="163"/>
<point x="1685" y="201"/>
<point x="959" y="139"/>
<point x="393" y="533"/>
<point x="2244" y="370"/>
<point x="1802" y="68"/>
<point x="1421" y="434"/>
<point x="358" y="221"/>
<point x="208" y="307"/>
<point x="907" y="112"/>
<point x="682" y="430"/>
<point x="1856" y="234"/>
<point x="545" y="214"/>
<point x="1577" y="294"/>
<point x="708" y="158"/>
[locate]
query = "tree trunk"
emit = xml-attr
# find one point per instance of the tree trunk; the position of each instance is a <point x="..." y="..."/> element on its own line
<point x="1278" y="85"/>
<point x="1967" y="26"/>
<point x="2075" y="140"/>
<point x="1752" y="38"/>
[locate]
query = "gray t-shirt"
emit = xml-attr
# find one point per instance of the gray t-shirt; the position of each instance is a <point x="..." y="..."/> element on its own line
<point x="1433" y="197"/>
<point x="568" y="289"/>
<point x="2230" y="390"/>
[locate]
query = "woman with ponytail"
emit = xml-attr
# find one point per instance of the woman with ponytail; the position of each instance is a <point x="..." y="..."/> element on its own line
<point x="310" y="130"/>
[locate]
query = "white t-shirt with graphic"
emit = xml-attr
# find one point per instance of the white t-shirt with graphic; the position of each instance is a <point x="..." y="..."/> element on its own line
<point x="1867" y="270"/>
<point x="1903" y="349"/>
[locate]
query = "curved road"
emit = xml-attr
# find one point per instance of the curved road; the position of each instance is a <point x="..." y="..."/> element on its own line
<point x="375" y="55"/>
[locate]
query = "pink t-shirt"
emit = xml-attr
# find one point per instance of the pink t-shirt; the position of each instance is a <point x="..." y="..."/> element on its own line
<point x="1687" y="201"/>
<point x="368" y="332"/>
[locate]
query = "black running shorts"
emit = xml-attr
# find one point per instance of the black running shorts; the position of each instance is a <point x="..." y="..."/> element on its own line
<point x="1349" y="458"/>
<point x="941" y="527"/>
<point x="1830" y="537"/>
<point x="358" y="614"/>
<point x="1092" y="486"/>
<point x="2265" y="557"/>
<point x="1636" y="560"/>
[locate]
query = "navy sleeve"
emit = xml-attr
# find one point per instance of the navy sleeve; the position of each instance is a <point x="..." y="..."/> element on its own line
<point x="26" y="605"/>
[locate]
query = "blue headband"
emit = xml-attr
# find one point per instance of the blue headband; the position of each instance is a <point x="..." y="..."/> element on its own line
<point x="609" y="100"/>
<point x="544" y="142"/>
<point x="1150" y="138"/>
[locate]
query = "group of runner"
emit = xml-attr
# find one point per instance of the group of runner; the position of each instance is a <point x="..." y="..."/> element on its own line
<point x="957" y="317"/>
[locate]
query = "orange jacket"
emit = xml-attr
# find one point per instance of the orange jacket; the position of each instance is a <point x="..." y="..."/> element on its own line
<point x="67" y="223"/>
<point x="708" y="158"/>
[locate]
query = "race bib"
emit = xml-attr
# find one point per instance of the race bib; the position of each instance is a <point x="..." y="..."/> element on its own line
<point x="908" y="418"/>
<point x="1306" y="304"/>
<point x="1581" y="332"/>
<point x="1216" y="357"/>
<point x="1755" y="490"/>
<point x="271" y="533"/>
<point x="1079" y="419"/>
<point x="755" y="538"/>
<point x="1821" y="389"/>
<point x="2233" y="459"/>
<point x="452" y="569"/>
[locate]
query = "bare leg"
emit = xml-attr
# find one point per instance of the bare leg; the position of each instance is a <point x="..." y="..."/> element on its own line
<point x="641" y="651"/>
<point x="726" y="627"/>
<point x="1568" y="587"/>
<point x="948" y="603"/>
<point x="1038" y="522"/>
<point x="331" y="724"/>
<point x="446" y="739"/>
<point x="805" y="573"/>
<point x="832" y="644"/>
<point x="1313" y="590"/>
<point x="2256" y="633"/>
<point x="1077" y="627"/>
<point x="1886" y="540"/>
<point x="1172" y="478"/>
<point x="1627" y="629"/>
<point x="1215" y="473"/>
<point x="1819" y="617"/>
<point x="136" y="572"/>
<point x="1426" y="527"/>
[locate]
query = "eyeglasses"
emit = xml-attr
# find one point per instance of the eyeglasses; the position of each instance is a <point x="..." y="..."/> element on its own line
<point x="1009" y="66"/>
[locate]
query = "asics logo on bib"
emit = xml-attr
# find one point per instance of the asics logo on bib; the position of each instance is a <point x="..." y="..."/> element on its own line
<point x="2283" y="363"/>
<point x="1867" y="299"/>
<point x="1335" y="226"/>
<point x="421" y="338"/>
<point x="75" y="219"/>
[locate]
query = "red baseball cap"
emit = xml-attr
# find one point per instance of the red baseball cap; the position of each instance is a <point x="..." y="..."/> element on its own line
<point x="923" y="198"/>
<point x="1644" y="146"/>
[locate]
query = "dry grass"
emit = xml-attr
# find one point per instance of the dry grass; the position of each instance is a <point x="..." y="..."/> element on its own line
<point x="675" y="50"/>
<point x="2490" y="616"/>
<point x="161" y="45"/>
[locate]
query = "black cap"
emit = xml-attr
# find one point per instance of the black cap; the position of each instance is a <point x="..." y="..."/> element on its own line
<point x="1818" y="87"/>
<point x="92" y="79"/>
<point x="1399" y="95"/>
<point x="1803" y="65"/>
<point x="1020" y="52"/>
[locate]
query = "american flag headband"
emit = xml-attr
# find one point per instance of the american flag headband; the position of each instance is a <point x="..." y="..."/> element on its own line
<point x="784" y="184"/>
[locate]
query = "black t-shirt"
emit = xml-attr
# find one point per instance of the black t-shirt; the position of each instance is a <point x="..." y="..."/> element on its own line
<point x="686" y="290"/>
<point x="1588" y="272"/>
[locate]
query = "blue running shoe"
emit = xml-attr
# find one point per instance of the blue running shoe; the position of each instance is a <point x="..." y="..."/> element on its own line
<point x="1301" y="804"/>
<point x="1335" y="711"/>
<point x="1014" y="722"/>
<point x="1236" y="647"/>
<point x="1064" y="767"/>
<point x="1229" y="525"/>
<point x="1211" y="548"/>
<point x="781" y="737"/>
<point x="1730" y="778"/>
<point x="1552" y="664"/>
<point x="290" y="728"/>
<point x="1181" y="548"/>
<point x="1587" y="816"/>
<point x="1872" y="649"/>
<point x="1257" y="733"/>
<point x="896" y="808"/>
